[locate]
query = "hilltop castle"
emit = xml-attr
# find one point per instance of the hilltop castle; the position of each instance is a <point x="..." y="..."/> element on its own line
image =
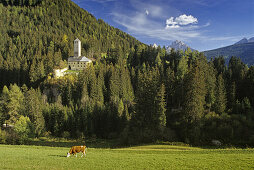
<point x="77" y="62"/>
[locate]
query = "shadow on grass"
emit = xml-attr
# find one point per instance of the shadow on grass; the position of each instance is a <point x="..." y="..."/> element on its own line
<point x="91" y="143"/>
<point x="62" y="156"/>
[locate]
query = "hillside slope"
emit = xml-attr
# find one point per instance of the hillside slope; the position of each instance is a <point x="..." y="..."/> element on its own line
<point x="245" y="51"/>
<point x="37" y="34"/>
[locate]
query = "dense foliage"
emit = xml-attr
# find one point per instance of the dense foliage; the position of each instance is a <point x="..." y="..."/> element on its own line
<point x="195" y="102"/>
<point x="133" y="92"/>
<point x="36" y="35"/>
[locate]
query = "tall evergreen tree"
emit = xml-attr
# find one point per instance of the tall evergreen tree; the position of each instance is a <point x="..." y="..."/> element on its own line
<point x="149" y="120"/>
<point x="195" y="92"/>
<point x="221" y="101"/>
<point x="3" y="104"/>
<point x="14" y="105"/>
<point x="160" y="115"/>
<point x="33" y="109"/>
<point x="210" y="78"/>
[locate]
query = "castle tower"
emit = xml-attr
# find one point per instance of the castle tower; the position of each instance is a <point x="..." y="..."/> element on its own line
<point x="77" y="48"/>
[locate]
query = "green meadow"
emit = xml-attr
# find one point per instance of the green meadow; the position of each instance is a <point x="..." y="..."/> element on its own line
<point x="138" y="157"/>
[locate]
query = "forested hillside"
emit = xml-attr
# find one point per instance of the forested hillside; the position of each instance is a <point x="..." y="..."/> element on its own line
<point x="36" y="35"/>
<point x="176" y="97"/>
<point x="132" y="92"/>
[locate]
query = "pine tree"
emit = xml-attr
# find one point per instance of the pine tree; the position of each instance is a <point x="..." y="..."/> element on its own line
<point x="249" y="85"/>
<point x="100" y="87"/>
<point x="219" y="65"/>
<point x="158" y="60"/>
<point x="84" y="96"/>
<point x="33" y="109"/>
<point x="33" y="71"/>
<point x="220" y="103"/>
<point x="3" y="104"/>
<point x="120" y="108"/>
<point x="232" y="95"/>
<point x="149" y="119"/>
<point x="14" y="104"/>
<point x="182" y="67"/>
<point x="194" y="99"/>
<point x="92" y="84"/>
<point x="170" y="88"/>
<point x="210" y="78"/>
<point x="160" y="114"/>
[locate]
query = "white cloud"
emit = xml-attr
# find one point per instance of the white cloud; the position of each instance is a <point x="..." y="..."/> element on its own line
<point x="172" y="26"/>
<point x="185" y="20"/>
<point x="155" y="9"/>
<point x="183" y="27"/>
<point x="170" y="22"/>
<point x="147" y="12"/>
<point x="180" y="21"/>
<point x="141" y="26"/>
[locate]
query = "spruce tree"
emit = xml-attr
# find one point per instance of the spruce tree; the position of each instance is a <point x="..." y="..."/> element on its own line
<point x="3" y="104"/>
<point x="15" y="103"/>
<point x="249" y="85"/>
<point x="220" y="102"/>
<point x="232" y="95"/>
<point x="194" y="98"/>
<point x="33" y="109"/>
<point x="160" y="113"/>
<point x="148" y="121"/>
<point x="210" y="78"/>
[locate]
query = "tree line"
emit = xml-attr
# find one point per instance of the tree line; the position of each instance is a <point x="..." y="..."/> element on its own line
<point x="132" y="92"/>
<point x="175" y="97"/>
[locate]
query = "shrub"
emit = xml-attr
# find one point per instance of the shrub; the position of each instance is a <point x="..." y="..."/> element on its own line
<point x="24" y="129"/>
<point x="66" y="134"/>
<point x="2" y="137"/>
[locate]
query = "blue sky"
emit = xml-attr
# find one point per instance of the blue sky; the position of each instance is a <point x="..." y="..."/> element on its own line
<point x="201" y="24"/>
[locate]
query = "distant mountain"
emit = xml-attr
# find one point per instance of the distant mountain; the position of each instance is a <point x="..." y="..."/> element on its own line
<point x="178" y="45"/>
<point x="243" y="50"/>
<point x="155" y="45"/>
<point x="251" y="39"/>
<point x="245" y="40"/>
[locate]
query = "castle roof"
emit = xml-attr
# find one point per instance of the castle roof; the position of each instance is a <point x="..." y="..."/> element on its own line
<point x="79" y="59"/>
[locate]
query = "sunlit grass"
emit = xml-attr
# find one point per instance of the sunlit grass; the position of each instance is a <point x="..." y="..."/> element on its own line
<point x="138" y="157"/>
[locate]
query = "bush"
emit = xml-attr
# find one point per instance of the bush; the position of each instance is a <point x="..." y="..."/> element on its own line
<point x="66" y="134"/>
<point x="169" y="135"/>
<point x="2" y="137"/>
<point x="24" y="129"/>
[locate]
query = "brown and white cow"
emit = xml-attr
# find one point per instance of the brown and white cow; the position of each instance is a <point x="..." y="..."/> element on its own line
<point x="76" y="149"/>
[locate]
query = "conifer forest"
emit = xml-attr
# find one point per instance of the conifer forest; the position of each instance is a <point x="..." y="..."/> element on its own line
<point x="132" y="92"/>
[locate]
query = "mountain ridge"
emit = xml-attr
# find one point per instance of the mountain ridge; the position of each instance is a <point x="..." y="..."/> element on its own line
<point x="245" y="40"/>
<point x="178" y="45"/>
<point x="243" y="50"/>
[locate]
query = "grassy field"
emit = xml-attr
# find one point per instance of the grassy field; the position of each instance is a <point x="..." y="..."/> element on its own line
<point x="139" y="157"/>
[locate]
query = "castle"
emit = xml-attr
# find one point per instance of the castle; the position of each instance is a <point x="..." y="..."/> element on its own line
<point x="77" y="62"/>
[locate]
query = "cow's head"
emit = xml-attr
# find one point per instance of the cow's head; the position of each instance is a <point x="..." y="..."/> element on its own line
<point x="68" y="154"/>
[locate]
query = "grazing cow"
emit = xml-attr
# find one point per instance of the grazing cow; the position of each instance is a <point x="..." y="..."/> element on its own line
<point x="76" y="149"/>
